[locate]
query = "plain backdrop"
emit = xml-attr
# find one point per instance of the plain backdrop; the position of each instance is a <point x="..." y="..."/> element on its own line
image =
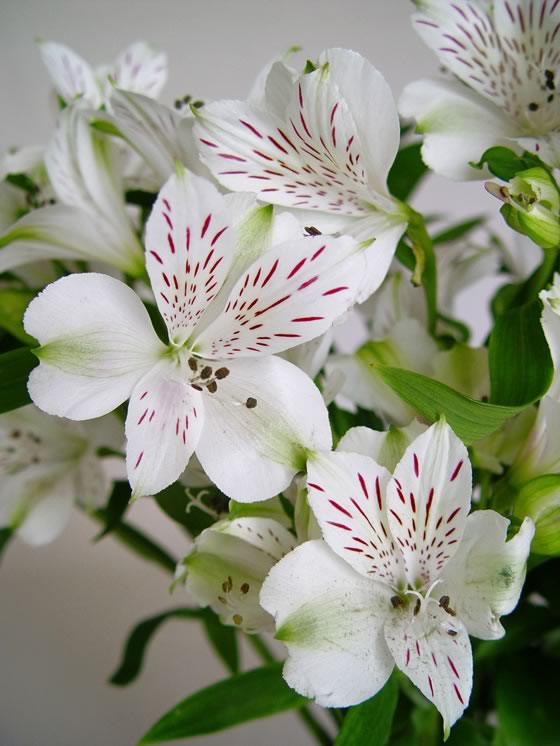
<point x="66" y="608"/>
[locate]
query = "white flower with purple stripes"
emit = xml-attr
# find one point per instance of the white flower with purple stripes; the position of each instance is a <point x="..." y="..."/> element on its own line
<point x="508" y="53"/>
<point x="322" y="144"/>
<point x="402" y="577"/>
<point x="216" y="386"/>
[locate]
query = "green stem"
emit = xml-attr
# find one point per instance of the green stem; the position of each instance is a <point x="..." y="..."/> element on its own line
<point x="305" y="715"/>
<point x="138" y="542"/>
<point x="426" y="268"/>
<point x="541" y="276"/>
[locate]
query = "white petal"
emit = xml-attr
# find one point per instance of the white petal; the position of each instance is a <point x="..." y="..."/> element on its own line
<point x="371" y="102"/>
<point x="37" y="500"/>
<point x="46" y="520"/>
<point x="386" y="448"/>
<point x="163" y="425"/>
<point x="484" y="578"/>
<point x="458" y="126"/>
<point x="312" y="158"/>
<point x="310" y="356"/>
<point x="347" y="495"/>
<point x="92" y="484"/>
<point x="61" y="232"/>
<point x="428" y="500"/>
<point x="539" y="453"/>
<point x="228" y="565"/>
<point x="502" y="51"/>
<point x="140" y="69"/>
<point x="96" y="340"/>
<point x="291" y="295"/>
<point x="156" y="132"/>
<point x="71" y="75"/>
<point x="331" y="620"/>
<point x="273" y="87"/>
<point x="386" y="232"/>
<point x="189" y="248"/>
<point x="433" y="650"/>
<point x="550" y="320"/>
<point x="84" y="169"/>
<point x="268" y="441"/>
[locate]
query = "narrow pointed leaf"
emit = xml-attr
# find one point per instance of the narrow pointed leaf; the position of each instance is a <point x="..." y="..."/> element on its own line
<point x="5" y="536"/>
<point x="519" y="357"/>
<point x="116" y="508"/>
<point x="239" y="699"/>
<point x="460" y="230"/>
<point x="222" y="638"/>
<point x="371" y="721"/>
<point x="407" y="171"/>
<point x="471" y="420"/>
<point x="12" y="307"/>
<point x="15" y="367"/>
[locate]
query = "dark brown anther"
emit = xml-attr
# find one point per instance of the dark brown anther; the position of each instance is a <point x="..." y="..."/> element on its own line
<point x="244" y="588"/>
<point x="533" y="106"/>
<point x="396" y="602"/>
<point x="312" y="231"/>
<point x="237" y="618"/>
<point x="251" y="403"/>
<point x="196" y="387"/>
<point x="193" y="365"/>
<point x="221" y="373"/>
<point x="444" y="603"/>
<point x="206" y="372"/>
<point x="212" y="387"/>
<point x="417" y="606"/>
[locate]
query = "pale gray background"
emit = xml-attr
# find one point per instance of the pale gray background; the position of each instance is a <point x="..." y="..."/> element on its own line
<point x="66" y="608"/>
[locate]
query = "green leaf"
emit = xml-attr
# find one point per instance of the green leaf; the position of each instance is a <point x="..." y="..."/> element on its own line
<point x="504" y="163"/>
<point x="371" y="721"/>
<point x="470" y="419"/>
<point x="138" y="542"/>
<point x="23" y="182"/>
<point x="527" y="700"/>
<point x="15" y="367"/>
<point x="239" y="699"/>
<point x="138" y="640"/>
<point x="6" y="535"/>
<point x="407" y="171"/>
<point x="519" y="357"/>
<point x="223" y="640"/>
<point x="13" y="304"/>
<point x="458" y="231"/>
<point x="116" y="508"/>
<point x="140" y="198"/>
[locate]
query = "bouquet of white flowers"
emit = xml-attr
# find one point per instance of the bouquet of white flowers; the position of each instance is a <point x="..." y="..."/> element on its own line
<point x="176" y="289"/>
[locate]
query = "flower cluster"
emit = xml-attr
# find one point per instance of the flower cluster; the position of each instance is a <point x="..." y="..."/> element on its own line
<point x="236" y="310"/>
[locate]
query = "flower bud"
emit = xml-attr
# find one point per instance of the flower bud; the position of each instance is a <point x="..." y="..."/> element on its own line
<point x="227" y="567"/>
<point x="540" y="500"/>
<point x="532" y="205"/>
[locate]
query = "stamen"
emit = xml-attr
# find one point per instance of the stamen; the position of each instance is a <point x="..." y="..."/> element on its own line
<point x="251" y="403"/>
<point x="221" y="373"/>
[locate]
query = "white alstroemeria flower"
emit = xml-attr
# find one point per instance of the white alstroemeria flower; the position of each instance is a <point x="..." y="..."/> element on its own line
<point x="408" y="346"/>
<point x="159" y="135"/>
<point x="227" y="567"/>
<point x="540" y="453"/>
<point x="414" y="576"/>
<point x="550" y="320"/>
<point x="324" y="145"/>
<point x="139" y="69"/>
<point x="507" y="54"/>
<point x="46" y="465"/>
<point x="91" y="220"/>
<point x="216" y="387"/>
